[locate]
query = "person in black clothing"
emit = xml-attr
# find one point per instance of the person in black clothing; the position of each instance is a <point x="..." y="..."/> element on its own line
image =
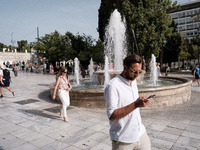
<point x="83" y="72"/>
<point x="166" y="69"/>
<point x="48" y="67"/>
<point x="57" y="69"/>
<point x="5" y="81"/>
<point x="23" y="65"/>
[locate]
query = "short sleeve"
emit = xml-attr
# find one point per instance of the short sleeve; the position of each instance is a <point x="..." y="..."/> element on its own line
<point x="112" y="99"/>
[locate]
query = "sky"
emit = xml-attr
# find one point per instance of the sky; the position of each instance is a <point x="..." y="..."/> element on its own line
<point x="21" y="18"/>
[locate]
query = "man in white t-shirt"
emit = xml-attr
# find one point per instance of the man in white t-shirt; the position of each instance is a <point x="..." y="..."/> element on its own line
<point x="122" y="105"/>
<point x="1" y="74"/>
<point x="4" y="82"/>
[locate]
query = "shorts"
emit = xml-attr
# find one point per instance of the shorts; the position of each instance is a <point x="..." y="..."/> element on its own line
<point x="6" y="83"/>
<point x="196" y="76"/>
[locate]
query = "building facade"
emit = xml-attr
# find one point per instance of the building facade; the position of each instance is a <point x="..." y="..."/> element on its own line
<point x="14" y="57"/>
<point x="185" y="19"/>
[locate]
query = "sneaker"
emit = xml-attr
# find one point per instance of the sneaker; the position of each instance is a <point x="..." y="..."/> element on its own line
<point x="13" y="93"/>
<point x="1" y="96"/>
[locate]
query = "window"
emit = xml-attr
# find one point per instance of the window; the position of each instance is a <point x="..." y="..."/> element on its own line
<point x="181" y="21"/>
<point x="189" y="19"/>
<point x="190" y="26"/>
<point x="187" y="13"/>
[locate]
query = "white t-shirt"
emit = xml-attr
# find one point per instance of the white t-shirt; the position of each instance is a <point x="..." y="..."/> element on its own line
<point x="1" y="72"/>
<point x="45" y="66"/>
<point x="119" y="93"/>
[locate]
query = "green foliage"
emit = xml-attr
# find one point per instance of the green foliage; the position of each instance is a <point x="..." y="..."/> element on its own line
<point x="184" y="51"/>
<point x="171" y="48"/>
<point x="1" y="47"/>
<point x="22" y="45"/>
<point x="54" y="47"/>
<point x="57" y="47"/>
<point x="195" y="47"/>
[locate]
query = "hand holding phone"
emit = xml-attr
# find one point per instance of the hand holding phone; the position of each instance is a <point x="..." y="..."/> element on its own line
<point x="151" y="96"/>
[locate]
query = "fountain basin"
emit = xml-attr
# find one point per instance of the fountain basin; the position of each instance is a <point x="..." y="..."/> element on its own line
<point x="165" y="96"/>
<point x="169" y="95"/>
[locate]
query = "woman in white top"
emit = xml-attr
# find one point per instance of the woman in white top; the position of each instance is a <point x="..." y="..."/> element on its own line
<point x="63" y="86"/>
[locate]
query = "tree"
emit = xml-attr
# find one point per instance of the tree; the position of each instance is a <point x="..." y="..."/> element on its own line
<point x="184" y="51"/>
<point x="1" y="47"/>
<point x="171" y="49"/>
<point x="84" y="48"/>
<point x="98" y="52"/>
<point x="22" y="45"/>
<point x="55" y="47"/>
<point x="196" y="40"/>
<point x="196" y="47"/>
<point x="148" y="19"/>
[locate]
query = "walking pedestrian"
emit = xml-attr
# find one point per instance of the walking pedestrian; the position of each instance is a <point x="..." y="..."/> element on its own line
<point x="51" y="69"/>
<point x="23" y="65"/>
<point x="27" y="66"/>
<point x="196" y="74"/>
<point x="48" y="67"/>
<point x="8" y="64"/>
<point x="16" y="69"/>
<point x="82" y="72"/>
<point x="63" y="85"/>
<point x="166" y="69"/>
<point x="158" y="69"/>
<point x="44" y="67"/>
<point x="5" y="81"/>
<point x="56" y="70"/>
<point x="123" y="108"/>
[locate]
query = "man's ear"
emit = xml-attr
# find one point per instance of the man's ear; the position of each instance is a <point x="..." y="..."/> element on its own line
<point x="125" y="67"/>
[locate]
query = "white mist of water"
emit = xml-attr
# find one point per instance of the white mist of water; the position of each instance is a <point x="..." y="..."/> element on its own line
<point x="77" y="70"/>
<point x="106" y="72"/>
<point x="115" y="41"/>
<point x="91" y="69"/>
<point x="153" y="73"/>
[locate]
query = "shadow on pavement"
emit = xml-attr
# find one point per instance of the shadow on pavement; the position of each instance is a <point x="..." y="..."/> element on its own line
<point x="46" y="96"/>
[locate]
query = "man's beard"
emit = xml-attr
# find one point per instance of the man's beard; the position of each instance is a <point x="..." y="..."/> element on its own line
<point x="130" y="78"/>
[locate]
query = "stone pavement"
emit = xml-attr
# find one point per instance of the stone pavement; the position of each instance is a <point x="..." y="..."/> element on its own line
<point x="31" y="121"/>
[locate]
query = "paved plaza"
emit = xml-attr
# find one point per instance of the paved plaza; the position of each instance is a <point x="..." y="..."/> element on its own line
<point x="31" y="121"/>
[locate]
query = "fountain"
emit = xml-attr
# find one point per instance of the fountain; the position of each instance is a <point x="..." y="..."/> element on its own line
<point x="115" y="41"/>
<point x="176" y="91"/>
<point x="106" y="71"/>
<point x="153" y="73"/>
<point x="91" y="69"/>
<point x="115" y="48"/>
<point x="77" y="70"/>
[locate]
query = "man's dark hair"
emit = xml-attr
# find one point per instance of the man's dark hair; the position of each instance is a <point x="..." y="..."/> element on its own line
<point x="132" y="59"/>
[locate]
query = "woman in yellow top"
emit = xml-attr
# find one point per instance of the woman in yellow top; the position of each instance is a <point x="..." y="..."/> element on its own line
<point x="63" y="86"/>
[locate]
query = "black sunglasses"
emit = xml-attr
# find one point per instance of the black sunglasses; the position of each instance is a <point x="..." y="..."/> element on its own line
<point x="135" y="71"/>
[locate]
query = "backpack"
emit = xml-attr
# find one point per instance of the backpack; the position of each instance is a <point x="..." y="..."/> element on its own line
<point x="6" y="74"/>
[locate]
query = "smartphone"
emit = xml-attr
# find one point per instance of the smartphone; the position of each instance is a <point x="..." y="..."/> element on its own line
<point x="151" y="96"/>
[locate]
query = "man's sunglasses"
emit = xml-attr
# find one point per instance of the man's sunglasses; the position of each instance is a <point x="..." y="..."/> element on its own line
<point x="134" y="71"/>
